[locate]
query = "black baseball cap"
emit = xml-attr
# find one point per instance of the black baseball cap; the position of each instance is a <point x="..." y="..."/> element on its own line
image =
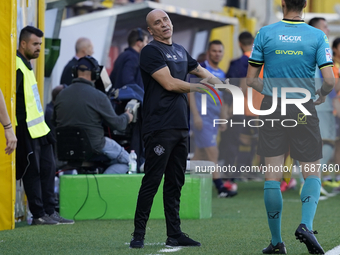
<point x="87" y="63"/>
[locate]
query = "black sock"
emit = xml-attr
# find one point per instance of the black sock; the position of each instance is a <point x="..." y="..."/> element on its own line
<point x="218" y="184"/>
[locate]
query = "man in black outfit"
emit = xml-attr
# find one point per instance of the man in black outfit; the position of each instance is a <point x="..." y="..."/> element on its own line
<point x="164" y="66"/>
<point x="126" y="70"/>
<point x="34" y="156"/>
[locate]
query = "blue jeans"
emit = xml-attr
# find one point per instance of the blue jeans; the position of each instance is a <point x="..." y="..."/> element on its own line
<point x="119" y="163"/>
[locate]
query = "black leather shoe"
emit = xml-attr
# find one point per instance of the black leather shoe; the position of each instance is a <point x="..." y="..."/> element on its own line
<point x="137" y="241"/>
<point x="183" y="240"/>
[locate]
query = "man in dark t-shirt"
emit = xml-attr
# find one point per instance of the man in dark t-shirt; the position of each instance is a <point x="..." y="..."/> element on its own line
<point x="164" y="66"/>
<point x="126" y="67"/>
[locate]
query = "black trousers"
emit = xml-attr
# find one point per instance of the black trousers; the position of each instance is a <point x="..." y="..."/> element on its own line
<point x="166" y="153"/>
<point x="35" y="162"/>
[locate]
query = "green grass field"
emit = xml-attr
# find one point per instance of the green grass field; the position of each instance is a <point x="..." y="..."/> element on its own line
<point x="238" y="226"/>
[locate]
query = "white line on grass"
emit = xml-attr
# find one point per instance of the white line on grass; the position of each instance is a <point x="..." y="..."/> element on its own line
<point x="334" y="251"/>
<point x="149" y="243"/>
<point x="170" y="249"/>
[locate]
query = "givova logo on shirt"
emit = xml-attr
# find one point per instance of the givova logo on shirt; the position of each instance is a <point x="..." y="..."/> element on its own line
<point x="288" y="52"/>
<point x="290" y="38"/>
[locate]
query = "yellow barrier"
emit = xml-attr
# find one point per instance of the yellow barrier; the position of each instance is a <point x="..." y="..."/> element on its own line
<point x="8" y="17"/>
<point x="226" y="34"/>
<point x="41" y="59"/>
<point x="324" y="6"/>
<point x="318" y="6"/>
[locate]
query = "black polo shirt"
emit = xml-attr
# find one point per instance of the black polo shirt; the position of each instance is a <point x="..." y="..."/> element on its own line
<point x="163" y="109"/>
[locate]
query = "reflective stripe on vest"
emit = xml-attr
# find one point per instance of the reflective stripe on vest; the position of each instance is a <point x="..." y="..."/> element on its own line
<point x="34" y="112"/>
<point x="35" y="121"/>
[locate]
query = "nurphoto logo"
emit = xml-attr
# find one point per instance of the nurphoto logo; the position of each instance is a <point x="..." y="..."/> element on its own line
<point x="238" y="105"/>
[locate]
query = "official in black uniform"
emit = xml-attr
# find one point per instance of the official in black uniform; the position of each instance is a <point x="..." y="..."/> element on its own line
<point x="164" y="66"/>
<point x="35" y="163"/>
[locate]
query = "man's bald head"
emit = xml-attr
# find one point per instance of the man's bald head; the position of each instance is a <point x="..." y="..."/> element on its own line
<point x="84" y="47"/>
<point x="153" y="14"/>
<point x="160" y="26"/>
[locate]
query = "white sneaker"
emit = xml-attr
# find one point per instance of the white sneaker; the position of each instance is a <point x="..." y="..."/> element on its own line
<point x="325" y="193"/>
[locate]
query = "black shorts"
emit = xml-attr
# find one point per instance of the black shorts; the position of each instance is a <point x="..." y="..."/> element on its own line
<point x="303" y="140"/>
<point x="248" y="129"/>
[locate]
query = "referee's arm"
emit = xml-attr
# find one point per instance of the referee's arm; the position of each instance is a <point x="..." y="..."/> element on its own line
<point x="327" y="85"/>
<point x="253" y="79"/>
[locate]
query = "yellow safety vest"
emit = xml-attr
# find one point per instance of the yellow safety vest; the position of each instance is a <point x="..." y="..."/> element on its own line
<point x="34" y="111"/>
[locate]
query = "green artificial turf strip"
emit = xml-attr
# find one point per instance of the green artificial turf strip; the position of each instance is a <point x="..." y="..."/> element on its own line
<point x="238" y="226"/>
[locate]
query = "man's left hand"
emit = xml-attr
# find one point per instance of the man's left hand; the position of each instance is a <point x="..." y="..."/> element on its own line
<point x="130" y="115"/>
<point x="321" y="98"/>
<point x="211" y="81"/>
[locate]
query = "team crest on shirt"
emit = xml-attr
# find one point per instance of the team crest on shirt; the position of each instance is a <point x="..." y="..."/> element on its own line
<point x="328" y="55"/>
<point x="179" y="53"/>
<point x="159" y="150"/>
<point x="326" y="39"/>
